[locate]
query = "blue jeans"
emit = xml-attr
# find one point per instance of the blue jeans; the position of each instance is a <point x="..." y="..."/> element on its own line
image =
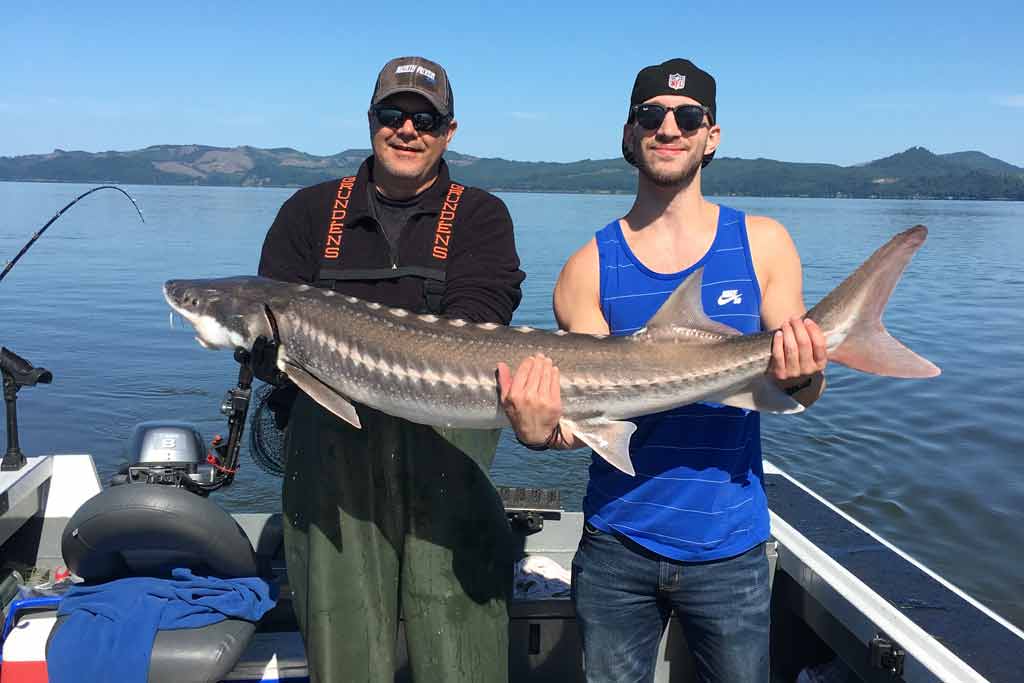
<point x="624" y="595"/>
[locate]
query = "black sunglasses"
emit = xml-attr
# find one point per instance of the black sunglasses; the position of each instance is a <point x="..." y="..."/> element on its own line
<point x="423" y="121"/>
<point x="689" y="117"/>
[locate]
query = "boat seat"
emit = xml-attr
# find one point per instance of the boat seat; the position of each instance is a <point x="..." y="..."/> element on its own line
<point x="193" y="655"/>
<point x="147" y="530"/>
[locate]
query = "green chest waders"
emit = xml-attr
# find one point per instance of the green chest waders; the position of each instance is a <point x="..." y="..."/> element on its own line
<point x="395" y="519"/>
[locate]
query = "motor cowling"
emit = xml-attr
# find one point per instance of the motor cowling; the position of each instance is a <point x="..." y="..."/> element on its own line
<point x="164" y="452"/>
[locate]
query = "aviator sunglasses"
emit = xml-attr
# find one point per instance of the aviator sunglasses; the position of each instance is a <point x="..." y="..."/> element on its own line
<point x="689" y="117"/>
<point x="423" y="121"/>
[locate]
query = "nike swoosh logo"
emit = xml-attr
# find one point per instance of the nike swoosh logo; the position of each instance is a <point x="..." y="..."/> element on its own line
<point x="729" y="296"/>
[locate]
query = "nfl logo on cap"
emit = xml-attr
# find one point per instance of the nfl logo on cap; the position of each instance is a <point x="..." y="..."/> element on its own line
<point x="676" y="81"/>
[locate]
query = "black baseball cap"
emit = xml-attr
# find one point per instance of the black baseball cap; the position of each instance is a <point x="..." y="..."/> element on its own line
<point x="417" y="75"/>
<point x="675" y="77"/>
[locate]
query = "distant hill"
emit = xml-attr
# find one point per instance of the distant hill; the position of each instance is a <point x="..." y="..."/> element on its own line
<point x="981" y="162"/>
<point x="915" y="172"/>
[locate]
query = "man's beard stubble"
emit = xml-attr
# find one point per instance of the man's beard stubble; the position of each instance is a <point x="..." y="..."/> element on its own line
<point x="681" y="178"/>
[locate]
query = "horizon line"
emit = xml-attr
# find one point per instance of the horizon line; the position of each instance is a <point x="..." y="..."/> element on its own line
<point x="367" y="151"/>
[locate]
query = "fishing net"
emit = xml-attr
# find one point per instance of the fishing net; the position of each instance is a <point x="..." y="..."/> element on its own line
<point x="266" y="439"/>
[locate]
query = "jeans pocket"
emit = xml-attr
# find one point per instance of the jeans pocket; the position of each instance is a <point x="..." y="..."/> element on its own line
<point x="601" y="551"/>
<point x="587" y="539"/>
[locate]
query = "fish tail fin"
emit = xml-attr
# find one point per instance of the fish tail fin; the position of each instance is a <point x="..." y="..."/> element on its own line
<point x="852" y="314"/>
<point x="878" y="352"/>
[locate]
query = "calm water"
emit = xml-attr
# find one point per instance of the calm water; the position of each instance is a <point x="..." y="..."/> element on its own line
<point x="933" y="466"/>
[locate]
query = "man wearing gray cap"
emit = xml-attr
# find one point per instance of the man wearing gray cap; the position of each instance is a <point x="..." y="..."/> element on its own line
<point x="687" y="534"/>
<point x="397" y="518"/>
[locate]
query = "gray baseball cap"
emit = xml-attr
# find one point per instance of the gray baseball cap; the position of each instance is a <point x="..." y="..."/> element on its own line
<point x="416" y="75"/>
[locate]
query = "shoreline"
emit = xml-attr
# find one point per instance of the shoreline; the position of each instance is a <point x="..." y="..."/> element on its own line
<point x="497" y="190"/>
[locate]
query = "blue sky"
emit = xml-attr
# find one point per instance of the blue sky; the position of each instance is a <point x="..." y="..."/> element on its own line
<point x="831" y="82"/>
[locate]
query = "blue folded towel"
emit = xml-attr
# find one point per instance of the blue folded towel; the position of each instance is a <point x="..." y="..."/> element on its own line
<point x="109" y="633"/>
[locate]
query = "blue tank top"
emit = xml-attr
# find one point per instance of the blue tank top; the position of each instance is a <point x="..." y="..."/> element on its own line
<point x="698" y="493"/>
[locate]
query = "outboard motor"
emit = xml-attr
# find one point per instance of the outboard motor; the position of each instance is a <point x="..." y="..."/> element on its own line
<point x="165" y="452"/>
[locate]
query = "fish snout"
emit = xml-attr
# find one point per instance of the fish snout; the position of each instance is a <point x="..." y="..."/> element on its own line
<point x="182" y="296"/>
<point x="173" y="291"/>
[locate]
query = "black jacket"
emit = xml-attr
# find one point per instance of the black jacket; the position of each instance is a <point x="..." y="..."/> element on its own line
<point x="325" y="236"/>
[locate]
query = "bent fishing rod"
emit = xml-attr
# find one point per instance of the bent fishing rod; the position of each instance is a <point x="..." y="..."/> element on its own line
<point x="39" y="233"/>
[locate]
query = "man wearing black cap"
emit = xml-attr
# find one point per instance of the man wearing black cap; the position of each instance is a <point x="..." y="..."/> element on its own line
<point x="398" y="518"/>
<point x="687" y="533"/>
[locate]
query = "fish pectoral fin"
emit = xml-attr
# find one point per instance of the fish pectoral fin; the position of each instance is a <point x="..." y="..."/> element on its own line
<point x="761" y="394"/>
<point x="608" y="438"/>
<point x="321" y="393"/>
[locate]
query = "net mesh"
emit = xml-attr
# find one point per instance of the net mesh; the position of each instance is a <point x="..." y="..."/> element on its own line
<point x="266" y="440"/>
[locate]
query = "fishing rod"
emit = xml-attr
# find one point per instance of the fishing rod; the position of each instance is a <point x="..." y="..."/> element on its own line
<point x="39" y="233"/>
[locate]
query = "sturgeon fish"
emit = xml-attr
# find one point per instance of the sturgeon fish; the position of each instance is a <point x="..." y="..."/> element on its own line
<point x="439" y="371"/>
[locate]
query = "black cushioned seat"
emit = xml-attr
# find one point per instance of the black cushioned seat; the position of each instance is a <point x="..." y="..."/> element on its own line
<point x="147" y="530"/>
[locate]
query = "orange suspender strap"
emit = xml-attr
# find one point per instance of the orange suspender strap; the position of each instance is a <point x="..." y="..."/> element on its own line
<point x="336" y="228"/>
<point x="445" y="221"/>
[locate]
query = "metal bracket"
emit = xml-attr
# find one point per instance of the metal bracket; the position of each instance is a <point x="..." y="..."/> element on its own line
<point x="887" y="655"/>
<point x="526" y="521"/>
<point x="527" y="507"/>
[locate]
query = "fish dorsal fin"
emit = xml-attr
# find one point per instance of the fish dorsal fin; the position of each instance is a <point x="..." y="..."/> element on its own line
<point x="684" y="310"/>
